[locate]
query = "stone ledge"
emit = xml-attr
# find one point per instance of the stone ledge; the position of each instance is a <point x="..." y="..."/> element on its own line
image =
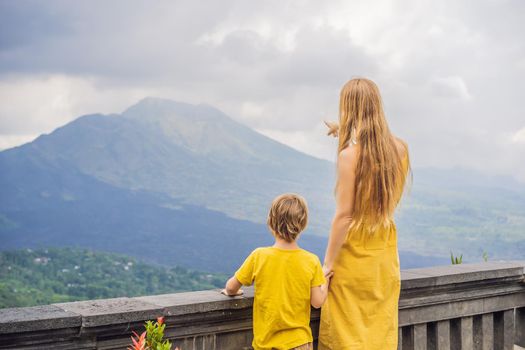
<point x="462" y="273"/>
<point x="110" y="311"/>
<point x="37" y="318"/>
<point x="420" y="288"/>
<point x="201" y="301"/>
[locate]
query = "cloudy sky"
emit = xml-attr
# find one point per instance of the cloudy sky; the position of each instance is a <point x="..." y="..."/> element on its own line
<point x="451" y="72"/>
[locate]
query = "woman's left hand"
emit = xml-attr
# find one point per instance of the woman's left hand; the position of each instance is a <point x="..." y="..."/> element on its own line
<point x="327" y="271"/>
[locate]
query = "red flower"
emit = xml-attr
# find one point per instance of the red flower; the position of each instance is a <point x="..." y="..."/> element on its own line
<point x="160" y="320"/>
<point x="139" y="342"/>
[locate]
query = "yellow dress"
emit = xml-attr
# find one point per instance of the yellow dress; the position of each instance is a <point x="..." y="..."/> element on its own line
<point x="361" y="311"/>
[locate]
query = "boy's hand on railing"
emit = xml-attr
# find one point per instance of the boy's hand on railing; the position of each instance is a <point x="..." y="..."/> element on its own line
<point x="225" y="292"/>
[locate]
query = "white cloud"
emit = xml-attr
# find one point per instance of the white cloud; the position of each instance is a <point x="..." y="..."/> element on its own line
<point x="252" y="110"/>
<point x="39" y="104"/>
<point x="451" y="87"/>
<point x="314" y="142"/>
<point x="450" y="82"/>
<point x="519" y="136"/>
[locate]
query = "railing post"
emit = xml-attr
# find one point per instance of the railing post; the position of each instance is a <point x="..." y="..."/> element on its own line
<point x="487" y="329"/>
<point x="477" y="330"/>
<point x="520" y="327"/>
<point x="504" y="330"/>
<point x="467" y="338"/>
<point x="443" y="335"/>
<point x="420" y="336"/>
<point x="508" y="333"/>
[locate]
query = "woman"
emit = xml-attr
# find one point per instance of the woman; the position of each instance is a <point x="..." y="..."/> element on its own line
<point x="361" y="310"/>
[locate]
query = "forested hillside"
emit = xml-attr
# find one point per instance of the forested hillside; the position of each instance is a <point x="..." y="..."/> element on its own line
<point x="35" y="277"/>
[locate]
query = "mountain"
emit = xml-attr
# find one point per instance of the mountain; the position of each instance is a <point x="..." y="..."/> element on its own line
<point x="193" y="153"/>
<point x="35" y="277"/>
<point x="148" y="184"/>
<point x="174" y="183"/>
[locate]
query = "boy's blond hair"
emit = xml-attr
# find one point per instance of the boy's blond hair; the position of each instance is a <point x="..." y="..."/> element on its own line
<point x="288" y="216"/>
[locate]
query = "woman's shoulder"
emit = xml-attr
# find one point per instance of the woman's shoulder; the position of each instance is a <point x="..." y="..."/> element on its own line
<point x="347" y="161"/>
<point x="348" y="154"/>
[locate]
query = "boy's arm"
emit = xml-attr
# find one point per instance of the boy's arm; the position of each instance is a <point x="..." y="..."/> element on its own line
<point x="233" y="287"/>
<point x="318" y="294"/>
<point x="244" y="275"/>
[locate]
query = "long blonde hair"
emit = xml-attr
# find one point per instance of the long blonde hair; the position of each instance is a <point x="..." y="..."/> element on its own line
<point x="380" y="174"/>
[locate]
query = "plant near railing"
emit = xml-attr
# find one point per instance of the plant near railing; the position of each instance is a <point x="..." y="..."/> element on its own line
<point x="485" y="256"/>
<point x="139" y="342"/>
<point x="455" y="259"/>
<point x="152" y="338"/>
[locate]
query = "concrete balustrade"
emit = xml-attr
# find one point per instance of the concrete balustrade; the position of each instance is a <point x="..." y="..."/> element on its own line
<point x="469" y="306"/>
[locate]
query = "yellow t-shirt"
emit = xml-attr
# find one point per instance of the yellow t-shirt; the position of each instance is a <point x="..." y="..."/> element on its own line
<point x="281" y="308"/>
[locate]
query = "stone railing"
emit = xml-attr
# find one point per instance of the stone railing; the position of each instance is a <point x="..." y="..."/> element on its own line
<point x="469" y="306"/>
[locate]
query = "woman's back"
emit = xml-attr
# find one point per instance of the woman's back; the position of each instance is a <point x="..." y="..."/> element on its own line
<point x="362" y="304"/>
<point x="361" y="310"/>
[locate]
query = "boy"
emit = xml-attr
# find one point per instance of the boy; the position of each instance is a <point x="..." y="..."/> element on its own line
<point x="287" y="280"/>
